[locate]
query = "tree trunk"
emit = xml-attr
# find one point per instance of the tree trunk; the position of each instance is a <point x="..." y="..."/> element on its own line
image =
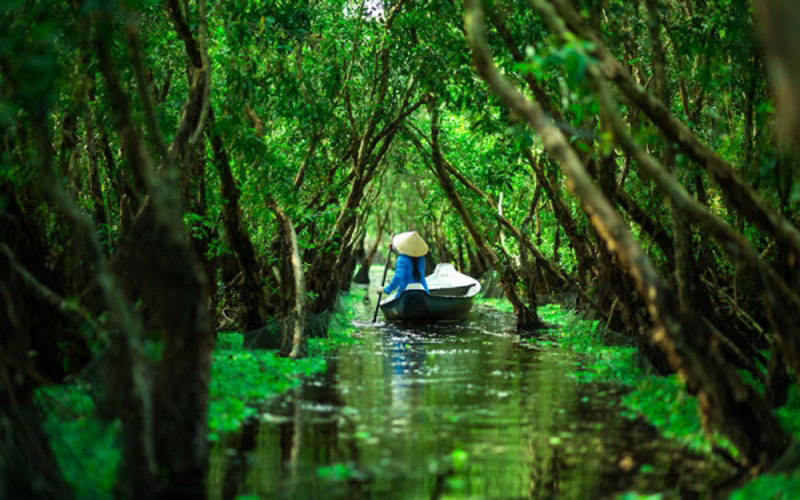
<point x="28" y="468"/>
<point x="736" y="192"/>
<point x="729" y="403"/>
<point x="362" y="276"/>
<point x="562" y="214"/>
<point x="95" y="186"/>
<point x="200" y="228"/>
<point x="293" y="317"/>
<point x="527" y="318"/>
<point x="777" y="22"/>
<point x="156" y="266"/>
<point x="253" y="294"/>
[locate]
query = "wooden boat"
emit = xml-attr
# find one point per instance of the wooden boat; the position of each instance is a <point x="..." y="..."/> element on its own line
<point x="450" y="298"/>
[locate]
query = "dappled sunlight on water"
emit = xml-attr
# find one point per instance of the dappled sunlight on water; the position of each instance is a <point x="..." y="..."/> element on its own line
<point x="450" y="411"/>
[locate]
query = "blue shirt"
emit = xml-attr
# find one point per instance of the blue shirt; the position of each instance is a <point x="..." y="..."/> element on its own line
<point x="404" y="274"/>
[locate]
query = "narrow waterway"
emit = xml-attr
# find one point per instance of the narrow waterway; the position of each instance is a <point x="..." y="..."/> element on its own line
<point x="450" y="411"/>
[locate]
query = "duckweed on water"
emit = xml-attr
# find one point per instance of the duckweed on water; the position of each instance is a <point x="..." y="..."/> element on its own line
<point x="84" y="447"/>
<point x="241" y="377"/>
<point x="87" y="449"/>
<point x="661" y="401"/>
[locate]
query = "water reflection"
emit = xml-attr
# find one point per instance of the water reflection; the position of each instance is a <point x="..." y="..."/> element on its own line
<point x="404" y="368"/>
<point x="449" y="411"/>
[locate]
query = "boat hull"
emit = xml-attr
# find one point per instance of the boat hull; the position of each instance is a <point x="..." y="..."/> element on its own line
<point x="416" y="305"/>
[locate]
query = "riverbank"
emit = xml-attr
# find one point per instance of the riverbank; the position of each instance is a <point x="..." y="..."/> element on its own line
<point x="240" y="377"/>
<point x="452" y="410"/>
<point x="87" y="449"/>
<point x="662" y="402"/>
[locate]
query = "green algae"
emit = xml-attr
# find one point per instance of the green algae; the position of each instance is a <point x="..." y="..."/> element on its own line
<point x="662" y="401"/>
<point x="85" y="447"/>
<point x="241" y="378"/>
<point x="88" y="450"/>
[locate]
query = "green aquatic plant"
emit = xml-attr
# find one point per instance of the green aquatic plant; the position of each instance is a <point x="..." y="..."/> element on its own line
<point x="662" y="401"/>
<point x="85" y="447"/>
<point x="501" y="305"/>
<point x="636" y="496"/>
<point x="770" y="487"/>
<point x="336" y="472"/>
<point x="241" y="378"/>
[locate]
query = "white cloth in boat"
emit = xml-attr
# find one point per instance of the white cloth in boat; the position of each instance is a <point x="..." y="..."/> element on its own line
<point x="446" y="276"/>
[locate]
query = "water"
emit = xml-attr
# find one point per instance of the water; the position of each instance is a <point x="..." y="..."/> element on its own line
<point x="451" y="411"/>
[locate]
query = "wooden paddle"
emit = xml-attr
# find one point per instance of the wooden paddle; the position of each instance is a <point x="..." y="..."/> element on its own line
<point x="380" y="292"/>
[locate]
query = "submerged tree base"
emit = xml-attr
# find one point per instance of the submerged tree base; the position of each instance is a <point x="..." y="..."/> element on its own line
<point x="87" y="449"/>
<point x="663" y="401"/>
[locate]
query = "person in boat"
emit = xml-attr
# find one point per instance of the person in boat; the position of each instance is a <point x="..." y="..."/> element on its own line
<point x="410" y="264"/>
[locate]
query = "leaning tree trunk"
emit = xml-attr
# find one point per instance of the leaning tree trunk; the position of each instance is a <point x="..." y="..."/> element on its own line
<point x="293" y="318"/>
<point x="564" y="218"/>
<point x="615" y="291"/>
<point x="735" y="407"/>
<point x="737" y="193"/>
<point x="370" y="148"/>
<point x="527" y="318"/>
<point x="156" y="265"/>
<point x="252" y="293"/>
<point x="686" y="275"/>
<point x="777" y="25"/>
<point x="362" y="276"/>
<point x="776" y="22"/>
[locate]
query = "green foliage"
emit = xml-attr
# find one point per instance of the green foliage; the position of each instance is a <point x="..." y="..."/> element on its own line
<point x="664" y="402"/>
<point x="29" y="57"/>
<point x="637" y="496"/>
<point x="88" y="453"/>
<point x="661" y="401"/>
<point x="770" y="487"/>
<point x="501" y="305"/>
<point x="337" y="472"/>
<point x="284" y="72"/>
<point x="229" y="341"/>
<point x="241" y="378"/>
<point x="459" y="459"/>
<point x="341" y="330"/>
<point x="86" y="448"/>
<point x="782" y="486"/>
<point x="789" y="414"/>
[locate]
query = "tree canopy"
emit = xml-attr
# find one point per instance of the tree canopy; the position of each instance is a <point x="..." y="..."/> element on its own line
<point x="171" y="169"/>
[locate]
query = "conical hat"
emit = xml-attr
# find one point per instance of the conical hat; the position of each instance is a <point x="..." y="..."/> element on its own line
<point x="410" y="243"/>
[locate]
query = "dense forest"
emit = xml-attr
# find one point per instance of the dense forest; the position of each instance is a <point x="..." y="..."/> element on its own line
<point x="173" y="169"/>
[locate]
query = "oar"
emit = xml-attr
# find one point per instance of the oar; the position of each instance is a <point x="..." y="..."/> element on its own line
<point x="380" y="293"/>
